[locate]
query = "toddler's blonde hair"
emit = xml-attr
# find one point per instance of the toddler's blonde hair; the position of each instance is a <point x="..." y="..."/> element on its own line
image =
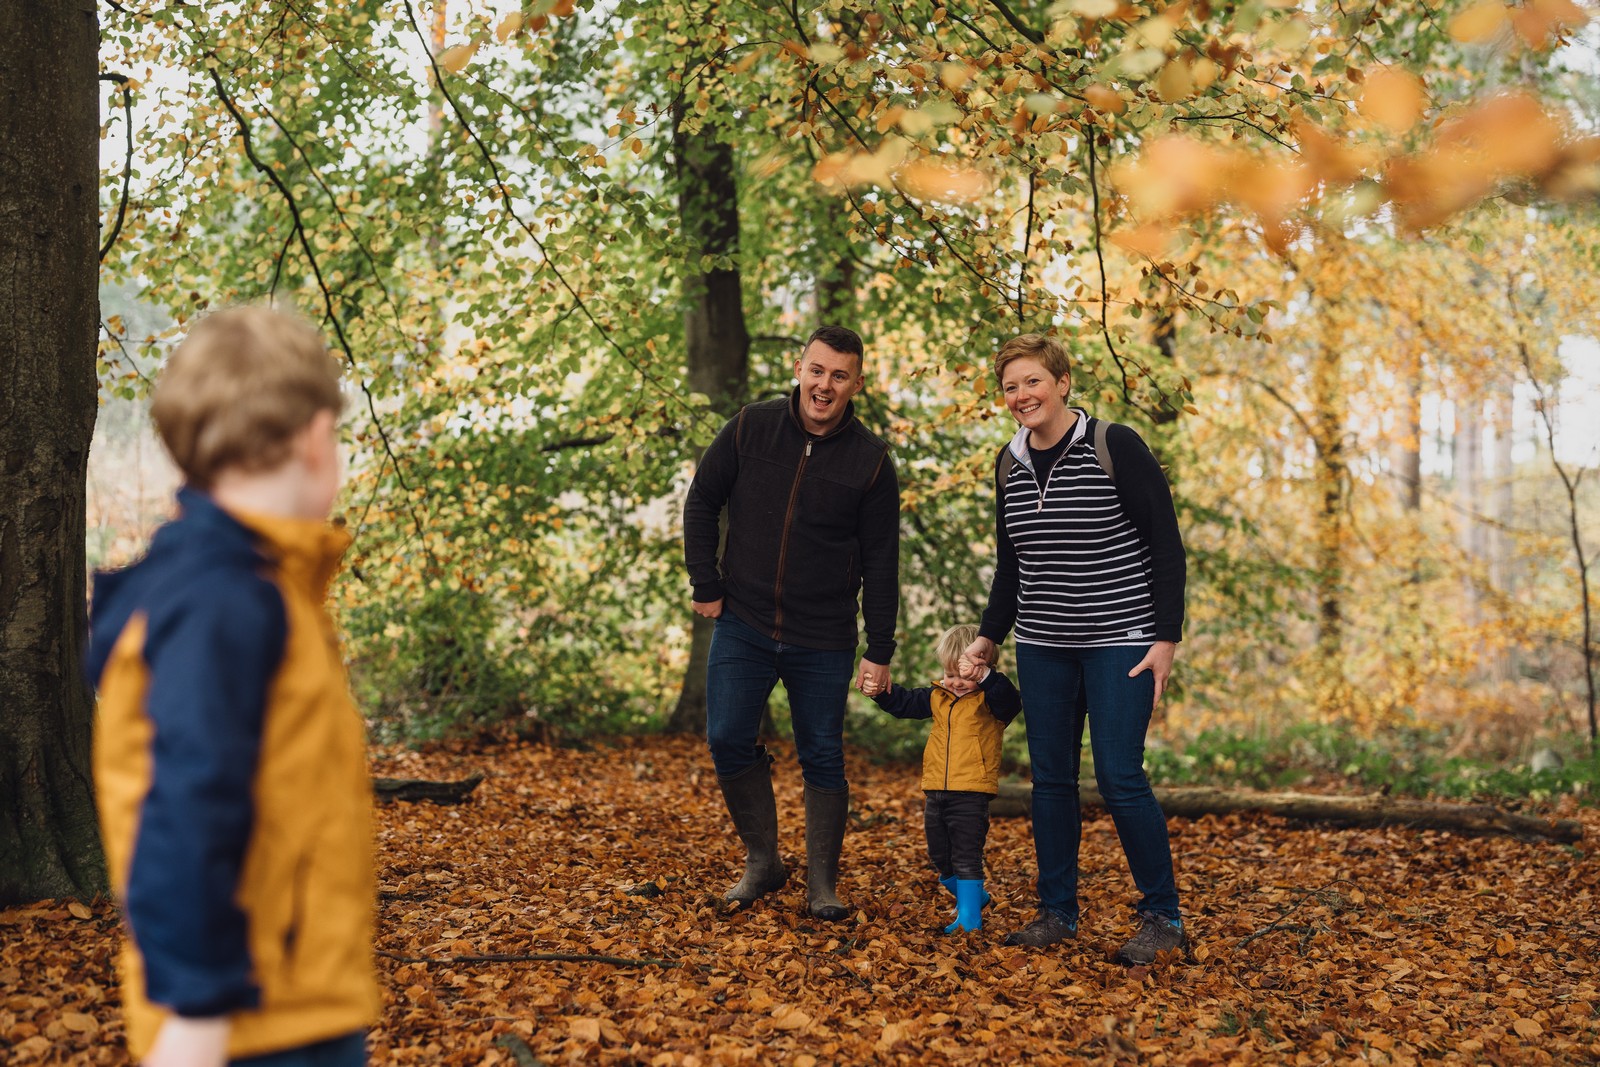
<point x="953" y="642"/>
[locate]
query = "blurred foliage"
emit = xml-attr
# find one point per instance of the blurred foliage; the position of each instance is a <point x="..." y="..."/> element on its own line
<point x="477" y="202"/>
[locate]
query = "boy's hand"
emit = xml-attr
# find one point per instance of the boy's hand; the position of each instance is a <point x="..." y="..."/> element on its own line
<point x="185" y="1042"/>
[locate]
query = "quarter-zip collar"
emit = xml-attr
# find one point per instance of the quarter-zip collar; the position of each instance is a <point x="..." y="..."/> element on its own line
<point x="1019" y="440"/>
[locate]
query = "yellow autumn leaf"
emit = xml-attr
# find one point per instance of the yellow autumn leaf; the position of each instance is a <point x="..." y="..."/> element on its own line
<point x="80" y="911"/>
<point x="1151" y="240"/>
<point x="584" y="1029"/>
<point x="1527" y="1028"/>
<point x="930" y="179"/>
<point x="455" y="58"/>
<point x="1105" y="99"/>
<point x="508" y="26"/>
<point x="1175" y="82"/>
<point x="954" y="75"/>
<point x="1480" y="22"/>
<point x="1393" y="98"/>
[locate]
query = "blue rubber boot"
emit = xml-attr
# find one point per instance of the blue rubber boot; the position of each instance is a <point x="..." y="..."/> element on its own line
<point x="950" y="886"/>
<point x="969" y="906"/>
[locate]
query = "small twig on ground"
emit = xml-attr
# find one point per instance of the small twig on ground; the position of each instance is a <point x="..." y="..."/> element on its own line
<point x="1279" y="924"/>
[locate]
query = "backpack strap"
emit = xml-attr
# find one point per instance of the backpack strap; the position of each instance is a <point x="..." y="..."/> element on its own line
<point x="1101" y="452"/>
<point x="1002" y="469"/>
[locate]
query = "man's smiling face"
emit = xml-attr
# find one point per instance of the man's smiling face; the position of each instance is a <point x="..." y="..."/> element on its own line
<point x="828" y="379"/>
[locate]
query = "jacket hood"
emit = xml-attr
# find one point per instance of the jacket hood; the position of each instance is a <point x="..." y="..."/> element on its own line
<point x="202" y="537"/>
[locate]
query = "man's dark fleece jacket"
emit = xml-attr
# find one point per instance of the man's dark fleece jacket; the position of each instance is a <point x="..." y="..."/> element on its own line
<point x="812" y="522"/>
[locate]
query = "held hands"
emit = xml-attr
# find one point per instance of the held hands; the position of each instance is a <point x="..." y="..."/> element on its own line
<point x="978" y="657"/>
<point x="185" y="1042"/>
<point x="711" y="609"/>
<point x="1158" y="661"/>
<point x="873" y="679"/>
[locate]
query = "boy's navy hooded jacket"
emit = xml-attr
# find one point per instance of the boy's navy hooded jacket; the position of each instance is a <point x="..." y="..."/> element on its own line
<point x="230" y="772"/>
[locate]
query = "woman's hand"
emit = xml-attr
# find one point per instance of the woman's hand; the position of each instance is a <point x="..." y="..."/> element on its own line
<point x="979" y="655"/>
<point x="1159" y="661"/>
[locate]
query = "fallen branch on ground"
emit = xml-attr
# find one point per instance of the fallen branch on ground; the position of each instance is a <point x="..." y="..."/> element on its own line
<point x="531" y="957"/>
<point x="389" y="790"/>
<point x="1194" y="801"/>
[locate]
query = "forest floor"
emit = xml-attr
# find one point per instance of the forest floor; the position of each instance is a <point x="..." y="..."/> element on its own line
<point x="1311" y="945"/>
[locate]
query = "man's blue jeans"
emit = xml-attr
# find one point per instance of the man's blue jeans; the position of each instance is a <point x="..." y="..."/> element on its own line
<point x="1061" y="687"/>
<point x="744" y="666"/>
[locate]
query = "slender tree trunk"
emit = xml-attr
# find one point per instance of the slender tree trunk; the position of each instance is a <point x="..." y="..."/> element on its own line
<point x="715" y="335"/>
<point x="1330" y="413"/>
<point x="1468" y="471"/>
<point x="1502" y="501"/>
<point x="49" y="255"/>
<point x="1408" y="471"/>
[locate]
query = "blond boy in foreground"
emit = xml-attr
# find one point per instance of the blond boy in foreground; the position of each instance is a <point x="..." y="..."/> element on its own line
<point x="229" y="759"/>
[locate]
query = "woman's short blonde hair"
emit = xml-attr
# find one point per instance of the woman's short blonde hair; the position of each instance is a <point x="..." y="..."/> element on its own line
<point x="953" y="642"/>
<point x="238" y="389"/>
<point x="1050" y="353"/>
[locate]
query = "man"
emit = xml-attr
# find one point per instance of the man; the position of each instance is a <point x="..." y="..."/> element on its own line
<point x="813" y="520"/>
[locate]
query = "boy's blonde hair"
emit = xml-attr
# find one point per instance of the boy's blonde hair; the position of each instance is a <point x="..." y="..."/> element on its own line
<point x="954" y="642"/>
<point x="1050" y="353"/>
<point x="239" y="387"/>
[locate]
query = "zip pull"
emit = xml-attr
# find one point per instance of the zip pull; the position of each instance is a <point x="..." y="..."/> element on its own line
<point x="808" y="446"/>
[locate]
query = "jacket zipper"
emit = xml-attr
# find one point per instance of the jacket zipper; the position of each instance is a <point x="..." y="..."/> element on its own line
<point x="783" y="547"/>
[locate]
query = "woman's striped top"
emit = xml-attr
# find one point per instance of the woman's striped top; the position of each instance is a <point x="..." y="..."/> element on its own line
<point x="1086" y="560"/>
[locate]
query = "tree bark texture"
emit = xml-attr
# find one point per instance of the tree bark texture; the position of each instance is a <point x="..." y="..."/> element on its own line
<point x="715" y="335"/>
<point x="1191" y="802"/>
<point x="49" y="257"/>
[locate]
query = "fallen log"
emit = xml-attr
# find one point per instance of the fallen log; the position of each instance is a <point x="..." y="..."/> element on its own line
<point x="1375" y="810"/>
<point x="389" y="790"/>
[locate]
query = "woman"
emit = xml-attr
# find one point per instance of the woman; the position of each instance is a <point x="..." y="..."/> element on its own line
<point x="1090" y="571"/>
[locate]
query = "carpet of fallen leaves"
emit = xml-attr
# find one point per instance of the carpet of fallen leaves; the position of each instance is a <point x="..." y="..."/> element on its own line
<point x="1312" y="945"/>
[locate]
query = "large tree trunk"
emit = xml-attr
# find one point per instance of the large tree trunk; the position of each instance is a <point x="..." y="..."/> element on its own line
<point x="49" y="255"/>
<point x="714" y="329"/>
<point x="1191" y="802"/>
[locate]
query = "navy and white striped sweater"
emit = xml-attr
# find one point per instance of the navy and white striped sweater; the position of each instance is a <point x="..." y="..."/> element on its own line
<point x="1088" y="561"/>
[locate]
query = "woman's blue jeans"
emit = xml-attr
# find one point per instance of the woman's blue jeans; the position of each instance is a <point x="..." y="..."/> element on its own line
<point x="347" y="1051"/>
<point x="1061" y="688"/>
<point x="743" y="667"/>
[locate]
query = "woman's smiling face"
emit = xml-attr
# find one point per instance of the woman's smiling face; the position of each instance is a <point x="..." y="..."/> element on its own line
<point x="1034" y="398"/>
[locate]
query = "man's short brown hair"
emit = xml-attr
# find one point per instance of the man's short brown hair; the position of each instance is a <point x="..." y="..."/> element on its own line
<point x="1050" y="353"/>
<point x="238" y="388"/>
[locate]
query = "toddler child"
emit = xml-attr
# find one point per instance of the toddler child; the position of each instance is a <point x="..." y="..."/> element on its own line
<point x="960" y="765"/>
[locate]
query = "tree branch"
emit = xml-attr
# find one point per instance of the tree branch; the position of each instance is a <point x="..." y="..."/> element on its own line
<point x="121" y="81"/>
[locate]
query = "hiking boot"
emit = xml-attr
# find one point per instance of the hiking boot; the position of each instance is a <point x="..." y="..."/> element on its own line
<point x="1156" y="935"/>
<point x="1047" y="929"/>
